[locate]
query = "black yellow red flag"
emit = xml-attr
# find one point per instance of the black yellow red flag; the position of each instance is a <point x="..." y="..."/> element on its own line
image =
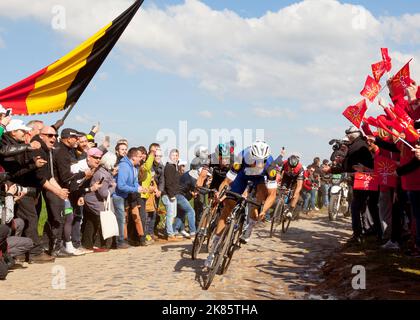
<point x="61" y="84"/>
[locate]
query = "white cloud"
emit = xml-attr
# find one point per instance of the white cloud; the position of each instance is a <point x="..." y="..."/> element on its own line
<point x="205" y="114"/>
<point x="316" y="53"/>
<point x="85" y="119"/>
<point x="324" y="132"/>
<point x="273" y="113"/>
<point x="229" y="114"/>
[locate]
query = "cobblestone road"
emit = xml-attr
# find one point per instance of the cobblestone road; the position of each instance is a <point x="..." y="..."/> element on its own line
<point x="267" y="268"/>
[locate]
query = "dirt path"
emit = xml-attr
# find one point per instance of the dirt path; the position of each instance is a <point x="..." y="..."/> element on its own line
<point x="266" y="268"/>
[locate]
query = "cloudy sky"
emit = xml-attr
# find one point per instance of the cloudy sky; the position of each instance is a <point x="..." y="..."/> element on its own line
<point x="286" y="67"/>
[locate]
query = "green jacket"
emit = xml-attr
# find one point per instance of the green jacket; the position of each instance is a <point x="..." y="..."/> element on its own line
<point x="147" y="167"/>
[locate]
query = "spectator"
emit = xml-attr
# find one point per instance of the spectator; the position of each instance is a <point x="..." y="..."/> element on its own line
<point x="136" y="206"/>
<point x="61" y="220"/>
<point x="45" y="175"/>
<point x="91" y="163"/>
<point x="316" y="184"/>
<point x="82" y="147"/>
<point x="358" y="157"/>
<point x="171" y="174"/>
<point x="202" y="158"/>
<point x="146" y="171"/>
<point x="316" y="164"/>
<point x="325" y="182"/>
<point x="159" y="178"/>
<point x="36" y="127"/>
<point x="127" y="182"/>
<point x="121" y="151"/>
<point x="22" y="169"/>
<point x="188" y="183"/>
<point x="307" y="188"/>
<point x="181" y="167"/>
<point x="94" y="203"/>
<point x="17" y="245"/>
<point x="4" y="269"/>
<point x="4" y="121"/>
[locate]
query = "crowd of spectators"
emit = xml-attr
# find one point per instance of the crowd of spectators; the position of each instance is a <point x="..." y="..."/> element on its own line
<point x="72" y="178"/>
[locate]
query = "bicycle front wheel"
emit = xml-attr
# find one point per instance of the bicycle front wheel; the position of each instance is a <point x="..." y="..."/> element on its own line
<point x="219" y="254"/>
<point x="285" y="222"/>
<point x="234" y="245"/>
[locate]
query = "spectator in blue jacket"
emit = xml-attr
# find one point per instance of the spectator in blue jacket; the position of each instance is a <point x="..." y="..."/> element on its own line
<point x="127" y="182"/>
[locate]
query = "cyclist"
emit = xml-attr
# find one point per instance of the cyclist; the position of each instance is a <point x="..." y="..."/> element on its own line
<point x="256" y="165"/>
<point x="200" y="161"/>
<point x="220" y="164"/>
<point x="292" y="173"/>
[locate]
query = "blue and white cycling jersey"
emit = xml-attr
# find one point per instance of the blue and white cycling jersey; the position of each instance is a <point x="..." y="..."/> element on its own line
<point x="246" y="169"/>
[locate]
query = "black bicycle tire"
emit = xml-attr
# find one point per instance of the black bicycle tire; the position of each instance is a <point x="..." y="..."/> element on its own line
<point x="219" y="256"/>
<point x="276" y="217"/>
<point x="212" y="228"/>
<point x="231" y="249"/>
<point x="285" y="223"/>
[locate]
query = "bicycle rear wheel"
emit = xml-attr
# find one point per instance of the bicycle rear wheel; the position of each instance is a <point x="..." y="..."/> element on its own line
<point x="219" y="255"/>
<point x="212" y="229"/>
<point x="276" y="219"/>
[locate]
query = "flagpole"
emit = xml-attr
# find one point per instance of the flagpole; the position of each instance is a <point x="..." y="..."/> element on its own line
<point x="69" y="109"/>
<point x="407" y="144"/>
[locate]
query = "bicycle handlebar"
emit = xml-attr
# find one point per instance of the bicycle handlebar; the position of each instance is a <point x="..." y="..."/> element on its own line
<point x="240" y="197"/>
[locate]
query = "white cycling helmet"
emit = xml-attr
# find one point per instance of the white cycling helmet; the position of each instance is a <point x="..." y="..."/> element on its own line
<point x="260" y="150"/>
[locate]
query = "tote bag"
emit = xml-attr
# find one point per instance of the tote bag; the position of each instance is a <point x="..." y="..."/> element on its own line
<point x="109" y="222"/>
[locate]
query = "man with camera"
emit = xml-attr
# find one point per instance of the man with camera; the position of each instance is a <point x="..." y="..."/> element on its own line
<point x="20" y="161"/>
<point x="359" y="158"/>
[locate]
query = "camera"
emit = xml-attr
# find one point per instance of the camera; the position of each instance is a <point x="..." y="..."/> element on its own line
<point x="336" y="144"/>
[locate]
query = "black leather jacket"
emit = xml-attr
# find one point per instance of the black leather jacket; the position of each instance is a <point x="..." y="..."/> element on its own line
<point x="17" y="160"/>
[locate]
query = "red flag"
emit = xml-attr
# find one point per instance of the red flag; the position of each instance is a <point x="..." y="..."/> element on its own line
<point x="371" y="89"/>
<point x="386" y="59"/>
<point x="401" y="80"/>
<point x="365" y="181"/>
<point x="356" y="113"/>
<point x="385" y="169"/>
<point x="378" y="70"/>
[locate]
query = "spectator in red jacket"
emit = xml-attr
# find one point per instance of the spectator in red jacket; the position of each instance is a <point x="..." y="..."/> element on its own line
<point x="307" y="188"/>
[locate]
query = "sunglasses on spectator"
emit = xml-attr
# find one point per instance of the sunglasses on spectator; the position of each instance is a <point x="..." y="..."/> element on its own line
<point x="51" y="135"/>
<point x="96" y="158"/>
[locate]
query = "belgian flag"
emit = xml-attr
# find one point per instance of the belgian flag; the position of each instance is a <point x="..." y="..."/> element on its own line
<point x="61" y="84"/>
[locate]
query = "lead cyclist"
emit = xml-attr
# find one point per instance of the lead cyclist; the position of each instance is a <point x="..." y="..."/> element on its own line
<point x="256" y="165"/>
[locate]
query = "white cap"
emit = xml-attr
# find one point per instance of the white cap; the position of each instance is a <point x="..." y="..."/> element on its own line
<point x="16" y="124"/>
<point x="2" y="109"/>
<point x="182" y="163"/>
